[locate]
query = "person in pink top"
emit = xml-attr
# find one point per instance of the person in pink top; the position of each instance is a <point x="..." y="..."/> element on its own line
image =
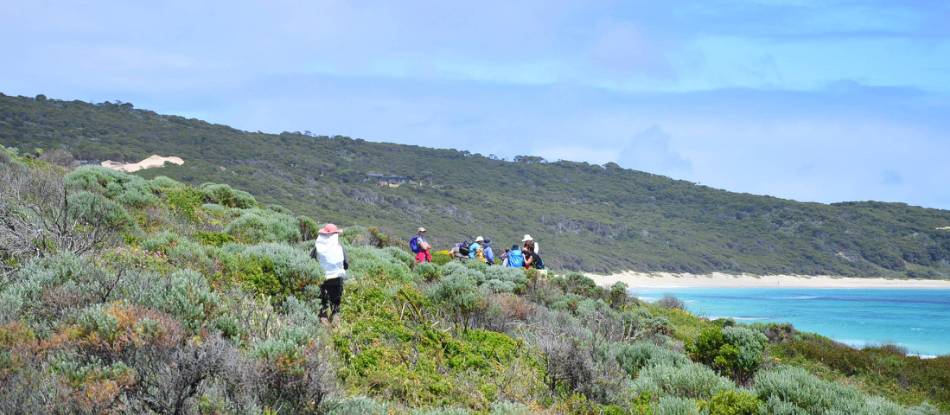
<point x="420" y="247"/>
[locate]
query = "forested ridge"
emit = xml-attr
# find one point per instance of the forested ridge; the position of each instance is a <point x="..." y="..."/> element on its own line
<point x="586" y="217"/>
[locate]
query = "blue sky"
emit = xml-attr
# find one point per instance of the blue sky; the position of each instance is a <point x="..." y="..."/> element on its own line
<point x="812" y="100"/>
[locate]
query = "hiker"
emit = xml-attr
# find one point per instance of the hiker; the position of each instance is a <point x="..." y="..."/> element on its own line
<point x="515" y="257"/>
<point x="531" y="259"/>
<point x="527" y="238"/>
<point x="420" y="247"/>
<point x="476" y="250"/>
<point x="332" y="257"/>
<point x="489" y="253"/>
<point x="460" y="251"/>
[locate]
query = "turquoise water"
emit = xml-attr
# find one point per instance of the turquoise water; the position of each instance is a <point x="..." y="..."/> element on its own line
<point x="918" y="320"/>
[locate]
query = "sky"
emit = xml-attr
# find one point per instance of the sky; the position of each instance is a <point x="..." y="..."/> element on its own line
<point x="826" y="101"/>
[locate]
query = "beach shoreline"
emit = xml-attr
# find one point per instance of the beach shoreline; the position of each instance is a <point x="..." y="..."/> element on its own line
<point x="655" y="280"/>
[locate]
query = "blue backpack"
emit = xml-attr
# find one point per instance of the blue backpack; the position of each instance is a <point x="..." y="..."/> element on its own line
<point x="414" y="244"/>
<point x="515" y="259"/>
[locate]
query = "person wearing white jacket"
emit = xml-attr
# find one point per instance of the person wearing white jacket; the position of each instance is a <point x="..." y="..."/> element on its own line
<point x="332" y="257"/>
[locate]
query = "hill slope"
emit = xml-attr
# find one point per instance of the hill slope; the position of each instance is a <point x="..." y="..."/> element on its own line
<point x="589" y="217"/>
<point x="125" y="295"/>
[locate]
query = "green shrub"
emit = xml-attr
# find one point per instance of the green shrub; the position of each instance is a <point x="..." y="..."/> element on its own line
<point x="690" y="380"/>
<point x="183" y="200"/>
<point x="633" y="357"/>
<point x="309" y="229"/>
<point x="735" y="402"/>
<point x="458" y="294"/>
<point x="121" y="187"/>
<point x="733" y="351"/>
<point x="577" y="283"/>
<point x="376" y="263"/>
<point x="213" y="238"/>
<point x="225" y="195"/>
<point x="181" y="252"/>
<point x="400" y="255"/>
<point x="428" y="271"/>
<point x="673" y="405"/>
<point x="509" y="408"/>
<point x="504" y="279"/>
<point x="185" y="295"/>
<point x="358" y="405"/>
<point x="162" y="183"/>
<point x="273" y="269"/>
<point x="793" y="390"/>
<point x="257" y="225"/>
<point x="441" y="257"/>
<point x="99" y="212"/>
<point x="279" y="209"/>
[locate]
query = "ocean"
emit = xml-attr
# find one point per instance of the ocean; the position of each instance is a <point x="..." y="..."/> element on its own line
<point x="918" y="320"/>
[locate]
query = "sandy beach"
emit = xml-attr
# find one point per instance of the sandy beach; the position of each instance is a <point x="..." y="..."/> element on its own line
<point x="720" y="280"/>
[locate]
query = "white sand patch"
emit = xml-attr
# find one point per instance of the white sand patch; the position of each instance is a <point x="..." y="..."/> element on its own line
<point x="152" y="161"/>
<point x="720" y="280"/>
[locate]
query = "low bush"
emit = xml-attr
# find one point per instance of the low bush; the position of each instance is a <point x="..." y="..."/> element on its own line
<point x="366" y="261"/>
<point x="633" y="357"/>
<point x="734" y="351"/>
<point x="577" y="283"/>
<point x="793" y="390"/>
<point x="689" y="380"/>
<point x="258" y="225"/>
<point x="459" y="296"/>
<point x="673" y="405"/>
<point x="185" y="295"/>
<point x="183" y="200"/>
<point x="121" y="187"/>
<point x="428" y="271"/>
<point x="98" y="212"/>
<point x="309" y="228"/>
<point x="441" y="257"/>
<point x="275" y="270"/>
<point x="671" y="302"/>
<point x="49" y="289"/>
<point x="357" y="405"/>
<point x="734" y="402"/>
<point x="503" y="279"/>
<point x="225" y="195"/>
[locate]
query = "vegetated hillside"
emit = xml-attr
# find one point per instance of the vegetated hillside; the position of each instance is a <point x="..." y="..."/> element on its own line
<point x="586" y="217"/>
<point x="125" y="295"/>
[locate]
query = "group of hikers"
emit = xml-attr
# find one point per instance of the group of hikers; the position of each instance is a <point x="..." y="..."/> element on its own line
<point x="526" y="256"/>
<point x="329" y="252"/>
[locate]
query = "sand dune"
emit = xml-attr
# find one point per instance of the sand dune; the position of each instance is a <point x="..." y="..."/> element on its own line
<point x="720" y="280"/>
<point x="149" y="163"/>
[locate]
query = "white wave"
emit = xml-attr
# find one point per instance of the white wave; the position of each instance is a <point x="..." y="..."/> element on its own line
<point x="794" y="297"/>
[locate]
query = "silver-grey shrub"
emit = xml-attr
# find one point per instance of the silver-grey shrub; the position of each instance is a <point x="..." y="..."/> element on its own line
<point x="691" y="380"/>
<point x="356" y="405"/>
<point x="260" y="225"/>
<point x="792" y="390"/>
<point x="50" y="288"/>
<point x="121" y="187"/>
<point x="184" y="294"/>
<point x="672" y="405"/>
<point x="633" y="357"/>
<point x="225" y="195"/>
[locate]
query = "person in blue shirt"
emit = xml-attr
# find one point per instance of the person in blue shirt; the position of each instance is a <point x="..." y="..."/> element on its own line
<point x="476" y="251"/>
<point x="515" y="257"/>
